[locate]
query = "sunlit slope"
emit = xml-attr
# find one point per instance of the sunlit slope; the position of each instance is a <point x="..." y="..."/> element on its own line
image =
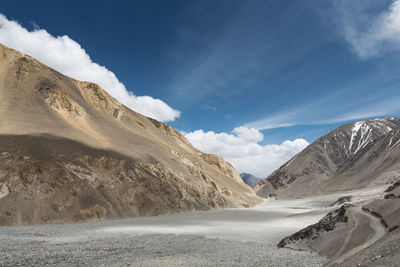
<point x="121" y="164"/>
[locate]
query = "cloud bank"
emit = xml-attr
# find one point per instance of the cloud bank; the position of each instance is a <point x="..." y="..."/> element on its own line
<point x="241" y="148"/>
<point x="371" y="34"/>
<point x="68" y="57"/>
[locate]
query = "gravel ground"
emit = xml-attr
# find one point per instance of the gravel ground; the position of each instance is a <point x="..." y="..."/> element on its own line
<point x="231" y="237"/>
<point x="24" y="249"/>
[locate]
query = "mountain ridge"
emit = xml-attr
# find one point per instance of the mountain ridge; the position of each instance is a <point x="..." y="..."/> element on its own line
<point x="125" y="163"/>
<point x="331" y="163"/>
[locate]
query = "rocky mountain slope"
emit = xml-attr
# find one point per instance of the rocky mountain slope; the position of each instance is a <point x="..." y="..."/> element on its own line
<point x="359" y="230"/>
<point x="264" y="189"/>
<point x="71" y="152"/>
<point x="355" y="155"/>
<point x="385" y="251"/>
<point x="250" y="179"/>
<point x="388" y="208"/>
<point x="333" y="220"/>
<point x="363" y="231"/>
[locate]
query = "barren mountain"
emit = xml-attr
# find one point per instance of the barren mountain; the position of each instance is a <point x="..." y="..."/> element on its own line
<point x="250" y="179"/>
<point x="364" y="230"/>
<point x="353" y="156"/>
<point x="70" y="152"/>
<point x="264" y="189"/>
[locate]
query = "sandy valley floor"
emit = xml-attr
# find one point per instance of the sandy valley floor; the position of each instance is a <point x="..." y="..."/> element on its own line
<point x="231" y="237"/>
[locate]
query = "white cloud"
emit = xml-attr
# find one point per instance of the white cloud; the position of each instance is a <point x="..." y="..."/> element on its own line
<point x="243" y="151"/>
<point x="248" y="134"/>
<point x="371" y="34"/>
<point x="68" y="57"/>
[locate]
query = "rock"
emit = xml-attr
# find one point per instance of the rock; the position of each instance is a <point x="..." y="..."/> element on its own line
<point x="341" y="200"/>
<point x="326" y="224"/>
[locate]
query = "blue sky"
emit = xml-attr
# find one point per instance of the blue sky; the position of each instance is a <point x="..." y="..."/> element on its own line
<point x="292" y="70"/>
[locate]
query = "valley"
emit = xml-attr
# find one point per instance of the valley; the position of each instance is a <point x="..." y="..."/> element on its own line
<point x="228" y="237"/>
<point x="85" y="180"/>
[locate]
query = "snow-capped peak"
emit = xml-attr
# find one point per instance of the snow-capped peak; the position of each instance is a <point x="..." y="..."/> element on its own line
<point x="354" y="132"/>
<point x="362" y="133"/>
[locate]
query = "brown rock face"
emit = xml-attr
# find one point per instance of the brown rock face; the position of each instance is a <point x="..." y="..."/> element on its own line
<point x="70" y="152"/>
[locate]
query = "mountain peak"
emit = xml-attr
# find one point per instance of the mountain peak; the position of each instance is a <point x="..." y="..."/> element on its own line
<point x="347" y="140"/>
<point x="78" y="154"/>
<point x="351" y="148"/>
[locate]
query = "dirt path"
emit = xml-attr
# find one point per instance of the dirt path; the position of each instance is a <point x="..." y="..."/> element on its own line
<point x="379" y="231"/>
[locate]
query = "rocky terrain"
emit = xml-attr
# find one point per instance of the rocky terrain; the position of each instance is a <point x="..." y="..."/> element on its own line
<point x="346" y="231"/>
<point x="386" y="250"/>
<point x="225" y="237"/>
<point x="388" y="208"/>
<point x="250" y="179"/>
<point x="331" y="221"/>
<point x="364" y="154"/>
<point x="70" y="152"/>
<point x="356" y="155"/>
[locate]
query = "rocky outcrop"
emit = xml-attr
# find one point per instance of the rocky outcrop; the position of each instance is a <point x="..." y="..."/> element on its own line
<point x="222" y="165"/>
<point x="59" y="101"/>
<point x="326" y="224"/>
<point x="394" y="188"/>
<point x="341" y="200"/>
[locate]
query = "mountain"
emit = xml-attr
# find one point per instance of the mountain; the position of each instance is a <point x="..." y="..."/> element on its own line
<point x="353" y="156"/>
<point x="71" y="152"/>
<point x="264" y="189"/>
<point x="363" y="231"/>
<point x="250" y="179"/>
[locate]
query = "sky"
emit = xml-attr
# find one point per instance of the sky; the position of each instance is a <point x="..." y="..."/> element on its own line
<point x="254" y="81"/>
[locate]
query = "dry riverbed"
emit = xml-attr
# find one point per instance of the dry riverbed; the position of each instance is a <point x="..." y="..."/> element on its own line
<point x="231" y="237"/>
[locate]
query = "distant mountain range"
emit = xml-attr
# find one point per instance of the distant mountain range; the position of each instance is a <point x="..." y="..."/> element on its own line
<point x="356" y="155"/>
<point x="71" y="152"/>
<point x="250" y="179"/>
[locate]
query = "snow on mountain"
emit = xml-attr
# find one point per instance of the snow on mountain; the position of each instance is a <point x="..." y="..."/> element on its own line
<point x="351" y="156"/>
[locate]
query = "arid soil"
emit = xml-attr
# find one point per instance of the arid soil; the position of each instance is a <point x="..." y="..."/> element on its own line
<point x="229" y="237"/>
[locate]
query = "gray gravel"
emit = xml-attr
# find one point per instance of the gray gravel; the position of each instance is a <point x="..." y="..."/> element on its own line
<point x="233" y="237"/>
<point x="20" y="247"/>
